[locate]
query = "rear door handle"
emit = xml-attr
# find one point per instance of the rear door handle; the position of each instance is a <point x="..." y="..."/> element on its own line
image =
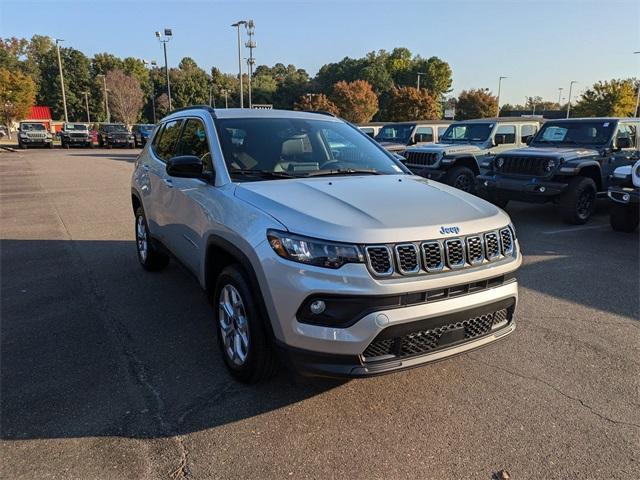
<point x="168" y="182"/>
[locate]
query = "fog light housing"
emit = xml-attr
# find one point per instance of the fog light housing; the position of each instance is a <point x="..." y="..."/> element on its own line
<point x="317" y="307"/>
<point x="542" y="189"/>
<point x="626" y="197"/>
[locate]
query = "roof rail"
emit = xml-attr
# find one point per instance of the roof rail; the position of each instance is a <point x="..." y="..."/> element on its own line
<point x="195" y="107"/>
<point x="323" y="112"/>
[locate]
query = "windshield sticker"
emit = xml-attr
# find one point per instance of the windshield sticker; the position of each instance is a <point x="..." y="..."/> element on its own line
<point x="605" y="124"/>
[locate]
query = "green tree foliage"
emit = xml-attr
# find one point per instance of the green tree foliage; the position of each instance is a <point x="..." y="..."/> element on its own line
<point x="615" y="98"/>
<point x="316" y="102"/>
<point x="356" y="101"/>
<point x="17" y="93"/>
<point x="409" y="103"/>
<point x="189" y="84"/>
<point x="478" y="103"/>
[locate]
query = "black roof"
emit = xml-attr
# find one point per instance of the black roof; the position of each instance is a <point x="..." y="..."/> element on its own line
<point x="420" y="122"/>
<point x="503" y="120"/>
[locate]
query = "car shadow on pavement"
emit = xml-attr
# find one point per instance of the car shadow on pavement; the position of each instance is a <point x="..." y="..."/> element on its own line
<point x="124" y="157"/>
<point x="590" y="265"/>
<point x="92" y="345"/>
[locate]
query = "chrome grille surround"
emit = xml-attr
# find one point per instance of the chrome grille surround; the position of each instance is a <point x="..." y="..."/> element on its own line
<point x="407" y="258"/>
<point x="420" y="159"/>
<point x="475" y="250"/>
<point x="432" y="256"/>
<point x="377" y="257"/>
<point x="454" y="253"/>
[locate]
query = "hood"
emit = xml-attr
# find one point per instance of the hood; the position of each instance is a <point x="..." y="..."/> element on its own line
<point x="393" y="146"/>
<point x="447" y="148"/>
<point x="568" y="153"/>
<point x="371" y="209"/>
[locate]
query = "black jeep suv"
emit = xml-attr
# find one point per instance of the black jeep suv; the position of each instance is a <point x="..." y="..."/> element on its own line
<point x="115" y="135"/>
<point x="568" y="162"/>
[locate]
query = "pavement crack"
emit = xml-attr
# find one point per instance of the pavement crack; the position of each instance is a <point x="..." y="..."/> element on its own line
<point x="557" y="390"/>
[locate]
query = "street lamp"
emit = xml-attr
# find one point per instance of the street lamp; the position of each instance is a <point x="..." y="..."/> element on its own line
<point x="499" y="88"/>
<point x="164" y="39"/>
<point x="560" y="96"/>
<point x="106" y="97"/>
<point x="250" y="61"/>
<point x="225" y="92"/>
<point x="635" y="113"/>
<point x="64" y="97"/>
<point x="237" y="25"/>
<point x="86" y="101"/>
<point x="419" y="73"/>
<point x="569" y="100"/>
<point x="152" y="63"/>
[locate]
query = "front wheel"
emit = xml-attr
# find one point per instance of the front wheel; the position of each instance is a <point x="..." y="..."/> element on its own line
<point x="576" y="205"/>
<point x="242" y="336"/>
<point x="461" y="178"/>
<point x="624" y="218"/>
<point x="148" y="256"/>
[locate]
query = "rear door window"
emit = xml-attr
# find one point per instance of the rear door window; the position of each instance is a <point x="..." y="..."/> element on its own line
<point x="507" y="133"/>
<point x="167" y="142"/>
<point x="424" y="134"/>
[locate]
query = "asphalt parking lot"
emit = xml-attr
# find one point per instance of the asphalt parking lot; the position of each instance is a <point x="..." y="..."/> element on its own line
<point x="111" y="372"/>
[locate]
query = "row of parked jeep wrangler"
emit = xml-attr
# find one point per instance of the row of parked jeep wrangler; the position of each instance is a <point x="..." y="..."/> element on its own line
<point x="106" y="135"/>
<point x="570" y="162"/>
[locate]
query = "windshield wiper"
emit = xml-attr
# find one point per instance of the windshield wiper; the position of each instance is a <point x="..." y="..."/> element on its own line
<point x="262" y="173"/>
<point x="344" y="171"/>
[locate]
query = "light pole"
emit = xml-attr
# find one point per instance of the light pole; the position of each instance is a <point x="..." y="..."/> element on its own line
<point x="226" y="102"/>
<point x="635" y="113"/>
<point x="569" y="100"/>
<point x="86" y="101"/>
<point x="560" y="96"/>
<point x="152" y="63"/>
<point x="106" y="97"/>
<point x="499" y="89"/>
<point x="64" y="97"/>
<point x="250" y="61"/>
<point x="418" y="74"/>
<point x="164" y="39"/>
<point x="237" y="25"/>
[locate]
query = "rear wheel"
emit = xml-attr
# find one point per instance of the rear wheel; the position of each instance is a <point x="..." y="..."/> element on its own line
<point x="461" y="178"/>
<point x="242" y="336"/>
<point x="624" y="218"/>
<point x="577" y="203"/>
<point x="148" y="256"/>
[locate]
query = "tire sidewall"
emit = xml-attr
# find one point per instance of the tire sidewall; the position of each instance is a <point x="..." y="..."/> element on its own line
<point x="459" y="171"/>
<point x="140" y="213"/>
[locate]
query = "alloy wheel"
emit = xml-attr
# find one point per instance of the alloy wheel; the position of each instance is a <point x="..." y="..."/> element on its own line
<point x="234" y="325"/>
<point x="141" y="238"/>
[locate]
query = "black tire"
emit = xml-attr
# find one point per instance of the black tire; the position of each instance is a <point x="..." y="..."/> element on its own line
<point x="576" y="205"/>
<point x="624" y="218"/>
<point x="152" y="260"/>
<point x="461" y="178"/>
<point x="260" y="361"/>
<point x="65" y="145"/>
<point x="100" y="142"/>
<point x="50" y="145"/>
<point x="21" y="145"/>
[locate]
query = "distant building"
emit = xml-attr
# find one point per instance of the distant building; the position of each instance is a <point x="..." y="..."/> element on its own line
<point x="42" y="114"/>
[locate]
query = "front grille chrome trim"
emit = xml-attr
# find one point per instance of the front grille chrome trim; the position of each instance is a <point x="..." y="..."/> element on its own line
<point x="487" y="236"/>
<point x="475" y="261"/>
<point x="506" y="250"/>
<point x="398" y="258"/>
<point x="448" y="245"/>
<point x="425" y="260"/>
<point x="370" y="265"/>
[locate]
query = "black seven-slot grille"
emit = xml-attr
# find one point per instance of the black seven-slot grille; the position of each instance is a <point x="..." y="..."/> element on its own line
<point x="420" y="159"/>
<point x="523" y="165"/>
<point x="420" y="341"/>
<point x="436" y="255"/>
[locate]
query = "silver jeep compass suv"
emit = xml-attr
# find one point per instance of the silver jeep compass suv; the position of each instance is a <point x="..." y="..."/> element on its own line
<point x="297" y="226"/>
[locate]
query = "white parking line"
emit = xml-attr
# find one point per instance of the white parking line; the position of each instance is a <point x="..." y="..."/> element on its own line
<point x="576" y="229"/>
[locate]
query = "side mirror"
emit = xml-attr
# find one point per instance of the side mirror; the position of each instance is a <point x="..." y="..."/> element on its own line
<point x="623" y="142"/>
<point x="185" y="166"/>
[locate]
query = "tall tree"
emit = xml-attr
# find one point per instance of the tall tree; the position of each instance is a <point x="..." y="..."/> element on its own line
<point x="615" y="98"/>
<point x="189" y="84"/>
<point x="316" y="102"/>
<point x="356" y="100"/>
<point x="409" y="103"/>
<point x="477" y="103"/>
<point x="17" y="93"/>
<point x="125" y="96"/>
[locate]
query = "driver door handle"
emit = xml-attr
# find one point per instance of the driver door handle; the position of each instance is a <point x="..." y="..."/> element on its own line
<point x="168" y="182"/>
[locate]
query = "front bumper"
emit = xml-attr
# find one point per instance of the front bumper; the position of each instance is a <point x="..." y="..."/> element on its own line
<point x="624" y="195"/>
<point x="36" y="141"/>
<point x="429" y="173"/>
<point x="532" y="189"/>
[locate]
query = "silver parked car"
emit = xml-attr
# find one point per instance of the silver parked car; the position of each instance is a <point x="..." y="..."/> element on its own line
<point x="296" y="225"/>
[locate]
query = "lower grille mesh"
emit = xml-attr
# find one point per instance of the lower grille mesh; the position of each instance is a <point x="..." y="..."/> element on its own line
<point x="425" y="341"/>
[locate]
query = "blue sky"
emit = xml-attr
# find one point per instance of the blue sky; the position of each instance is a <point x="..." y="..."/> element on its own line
<point x="539" y="45"/>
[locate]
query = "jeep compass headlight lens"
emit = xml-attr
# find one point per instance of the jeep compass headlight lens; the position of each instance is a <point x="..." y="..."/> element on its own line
<point x="312" y="251"/>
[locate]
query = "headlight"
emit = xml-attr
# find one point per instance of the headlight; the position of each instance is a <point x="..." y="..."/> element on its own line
<point x="550" y="165"/>
<point x="312" y="251"/>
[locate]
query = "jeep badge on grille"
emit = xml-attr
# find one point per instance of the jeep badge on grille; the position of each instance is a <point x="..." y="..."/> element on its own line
<point x="445" y="230"/>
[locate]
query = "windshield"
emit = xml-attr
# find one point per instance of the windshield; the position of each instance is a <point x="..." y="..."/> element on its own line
<point x="32" y="126"/>
<point x="75" y="126"/>
<point x="115" y="128"/>
<point x="395" y="133"/>
<point x="575" y="133"/>
<point x="290" y="147"/>
<point x="467" y="132"/>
